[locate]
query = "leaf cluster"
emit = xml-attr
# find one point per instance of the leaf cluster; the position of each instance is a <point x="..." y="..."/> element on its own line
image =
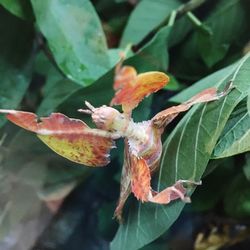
<point x="56" y="54"/>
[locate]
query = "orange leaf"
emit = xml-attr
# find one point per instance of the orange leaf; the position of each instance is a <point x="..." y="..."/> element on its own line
<point x="177" y="191"/>
<point x="140" y="178"/>
<point x="70" y="138"/>
<point x="134" y="90"/>
<point x="164" y="117"/>
<point x="124" y="77"/>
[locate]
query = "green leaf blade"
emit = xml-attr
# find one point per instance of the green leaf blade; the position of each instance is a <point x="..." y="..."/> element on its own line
<point x="75" y="37"/>
<point x="185" y="156"/>
<point x="235" y="138"/>
<point x="146" y="16"/>
<point x="15" y="61"/>
<point x="19" y="8"/>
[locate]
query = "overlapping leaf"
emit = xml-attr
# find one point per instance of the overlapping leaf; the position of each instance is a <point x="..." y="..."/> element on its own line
<point x="20" y="8"/>
<point x="212" y="46"/>
<point x="144" y="19"/>
<point x="235" y="138"/>
<point x="151" y="57"/>
<point x="15" y="61"/>
<point x="186" y="154"/>
<point x="75" y="37"/>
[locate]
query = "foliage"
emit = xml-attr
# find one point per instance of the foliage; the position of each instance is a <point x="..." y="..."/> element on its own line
<point x="56" y="54"/>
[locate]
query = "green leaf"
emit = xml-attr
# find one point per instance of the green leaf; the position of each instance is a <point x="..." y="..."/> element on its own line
<point x="154" y="55"/>
<point x="229" y="16"/>
<point x="203" y="84"/>
<point x="15" y="61"/>
<point x="173" y="84"/>
<point x="59" y="92"/>
<point x="43" y="66"/>
<point x="20" y="8"/>
<point x="237" y="198"/>
<point x="181" y="28"/>
<point x="212" y="190"/>
<point x="75" y="37"/>
<point x="210" y="51"/>
<point x="114" y="55"/>
<point x="248" y="103"/>
<point x="246" y="168"/>
<point x="235" y="138"/>
<point x="146" y="16"/>
<point x="185" y="156"/>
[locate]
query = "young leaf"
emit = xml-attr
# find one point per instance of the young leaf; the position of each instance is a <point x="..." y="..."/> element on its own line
<point x="185" y="156"/>
<point x="75" y="37"/>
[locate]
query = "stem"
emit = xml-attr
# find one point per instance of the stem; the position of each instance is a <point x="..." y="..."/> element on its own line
<point x="191" y="5"/>
<point x="194" y="19"/>
<point x="172" y="18"/>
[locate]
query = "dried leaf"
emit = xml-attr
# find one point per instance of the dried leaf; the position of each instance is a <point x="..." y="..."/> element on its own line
<point x="163" y="118"/>
<point x="70" y="138"/>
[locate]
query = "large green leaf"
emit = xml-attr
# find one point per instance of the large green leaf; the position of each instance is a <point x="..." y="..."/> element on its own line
<point x="15" y="61"/>
<point x="235" y="138"/>
<point x="185" y="156"/>
<point x="146" y="16"/>
<point x="20" y="8"/>
<point x="75" y="37"/>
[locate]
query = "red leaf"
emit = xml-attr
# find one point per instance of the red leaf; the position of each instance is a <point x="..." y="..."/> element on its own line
<point x="70" y="138"/>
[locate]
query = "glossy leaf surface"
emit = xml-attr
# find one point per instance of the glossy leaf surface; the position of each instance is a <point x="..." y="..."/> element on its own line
<point x="75" y="37"/>
<point x="196" y="135"/>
